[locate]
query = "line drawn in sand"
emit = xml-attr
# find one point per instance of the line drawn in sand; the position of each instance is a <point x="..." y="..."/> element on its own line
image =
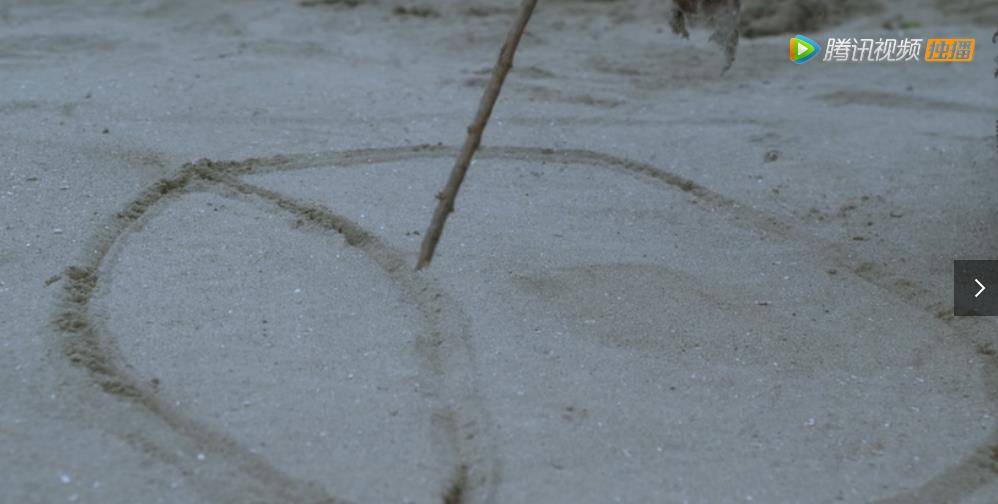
<point x="236" y="474"/>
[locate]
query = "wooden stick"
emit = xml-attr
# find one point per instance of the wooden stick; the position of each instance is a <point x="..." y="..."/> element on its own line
<point x="446" y="197"/>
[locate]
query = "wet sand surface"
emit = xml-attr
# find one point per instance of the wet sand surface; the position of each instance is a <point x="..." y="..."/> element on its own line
<point x="660" y="285"/>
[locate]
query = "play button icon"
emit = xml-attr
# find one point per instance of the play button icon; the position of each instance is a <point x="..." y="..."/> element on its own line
<point x="802" y="49"/>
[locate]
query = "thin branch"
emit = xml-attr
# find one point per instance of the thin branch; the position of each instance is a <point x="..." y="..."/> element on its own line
<point x="446" y="197"/>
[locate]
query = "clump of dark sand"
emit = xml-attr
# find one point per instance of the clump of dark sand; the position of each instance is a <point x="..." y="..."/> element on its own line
<point x="722" y="15"/>
<point x="316" y="3"/>
<point x="774" y="17"/>
<point x="417" y="11"/>
<point x="979" y="11"/>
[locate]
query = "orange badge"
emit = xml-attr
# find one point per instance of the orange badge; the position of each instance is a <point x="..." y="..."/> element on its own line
<point x="950" y="50"/>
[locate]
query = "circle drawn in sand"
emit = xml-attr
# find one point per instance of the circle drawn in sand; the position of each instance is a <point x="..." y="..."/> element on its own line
<point x="234" y="473"/>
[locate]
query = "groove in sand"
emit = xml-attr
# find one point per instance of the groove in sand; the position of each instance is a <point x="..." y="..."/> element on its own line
<point x="248" y="475"/>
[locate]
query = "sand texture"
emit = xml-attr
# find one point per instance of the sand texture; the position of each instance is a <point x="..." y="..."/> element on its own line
<point x="661" y="283"/>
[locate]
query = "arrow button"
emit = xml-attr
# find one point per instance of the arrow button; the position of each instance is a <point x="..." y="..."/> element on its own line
<point x="971" y="293"/>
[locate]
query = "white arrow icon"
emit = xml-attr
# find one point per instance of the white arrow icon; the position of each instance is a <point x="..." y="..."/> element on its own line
<point x="983" y="288"/>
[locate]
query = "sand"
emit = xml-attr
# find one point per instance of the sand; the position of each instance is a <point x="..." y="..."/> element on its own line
<point x="660" y="285"/>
